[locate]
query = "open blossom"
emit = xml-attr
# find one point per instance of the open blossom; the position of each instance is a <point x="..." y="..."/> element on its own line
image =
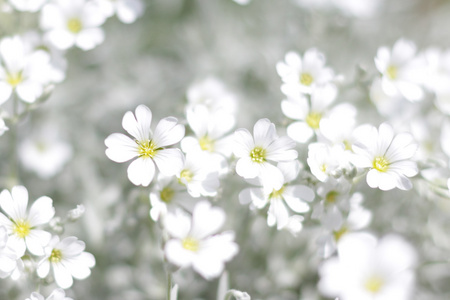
<point x="401" y="71"/>
<point x="147" y="147"/>
<point x="367" y="269"/>
<point x="23" y="72"/>
<point x="303" y="75"/>
<point x="69" y="23"/>
<point x="57" y="294"/>
<point x="387" y="156"/>
<point x="195" y="242"/>
<point x="8" y="256"/>
<point x="294" y="196"/>
<point x="255" y="153"/>
<point x="68" y="259"/>
<point x="22" y="226"/>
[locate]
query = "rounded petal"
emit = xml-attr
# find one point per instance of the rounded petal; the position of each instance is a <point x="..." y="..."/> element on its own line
<point x="206" y="220"/>
<point x="61" y="39"/>
<point x="120" y="148"/>
<point x="15" y="203"/>
<point x="89" y="38"/>
<point x="246" y="168"/>
<point x="141" y="171"/>
<point x="139" y="126"/>
<point x="169" y="161"/>
<point x="80" y="265"/>
<point x="168" y="132"/>
<point x="37" y="240"/>
<point x="41" y="212"/>
<point x="264" y="133"/>
<point x="243" y="142"/>
<point x="43" y="267"/>
<point x="176" y="254"/>
<point x="281" y="150"/>
<point x="299" y="132"/>
<point x="62" y="275"/>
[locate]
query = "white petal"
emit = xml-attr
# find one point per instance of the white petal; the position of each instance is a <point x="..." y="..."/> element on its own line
<point x="206" y="220"/>
<point x="15" y="203"/>
<point x="141" y="171"/>
<point x="264" y="133"/>
<point x="43" y="267"/>
<point x="169" y="161"/>
<point x="5" y="91"/>
<point x="139" y="129"/>
<point x="271" y="177"/>
<point x="246" y="168"/>
<point x="129" y="10"/>
<point x="61" y="39"/>
<point x="168" y="132"/>
<point x="41" y="211"/>
<point x="279" y="211"/>
<point x="29" y="91"/>
<point x="88" y="38"/>
<point x="289" y="169"/>
<point x="177" y="255"/>
<point x="120" y="148"/>
<point x="243" y="142"/>
<point x="37" y="240"/>
<point x="63" y="277"/>
<point x="299" y="132"/>
<point x="79" y="266"/>
<point x="281" y="150"/>
<point x="177" y="224"/>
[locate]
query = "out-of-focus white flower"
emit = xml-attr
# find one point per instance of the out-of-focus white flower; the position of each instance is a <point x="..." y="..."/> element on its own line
<point x="76" y="213"/>
<point x="69" y="23"/>
<point x="24" y="73"/>
<point x="402" y="74"/>
<point x="127" y="11"/>
<point x="213" y="94"/>
<point x="369" y="270"/>
<point x="68" y="259"/>
<point x="198" y="176"/>
<point x="255" y="152"/>
<point x="209" y="129"/>
<point x="8" y="256"/>
<point x="337" y="127"/>
<point x="45" y="155"/>
<point x="22" y="226"/>
<point x="303" y="75"/>
<point x="147" y="147"/>
<point x="387" y="156"/>
<point x="296" y="196"/>
<point x="308" y="114"/>
<point x="242" y="2"/>
<point x="168" y="194"/>
<point x="57" y="294"/>
<point x="3" y="127"/>
<point x="195" y="242"/>
<point x="327" y="161"/>
<point x="357" y="8"/>
<point x="27" y="5"/>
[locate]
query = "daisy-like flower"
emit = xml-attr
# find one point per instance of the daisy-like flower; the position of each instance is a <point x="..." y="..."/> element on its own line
<point x="57" y="294"/>
<point x="296" y="196"/>
<point x="168" y="194"/>
<point x="22" y="226"/>
<point x="325" y="161"/>
<point x="127" y="11"/>
<point x="73" y="22"/>
<point x="255" y="153"/>
<point x="388" y="157"/>
<point x="25" y="73"/>
<point x="308" y="114"/>
<point x="303" y="75"/>
<point x="68" y="259"/>
<point x="401" y="72"/>
<point x="210" y="129"/>
<point x="198" y="176"/>
<point x="367" y="269"/>
<point x="147" y="147"/>
<point x="195" y="243"/>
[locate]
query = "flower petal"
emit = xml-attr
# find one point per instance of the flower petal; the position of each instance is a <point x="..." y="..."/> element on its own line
<point x="169" y="161"/>
<point x="41" y="212"/>
<point x="120" y="147"/>
<point x="168" y="132"/>
<point x="141" y="171"/>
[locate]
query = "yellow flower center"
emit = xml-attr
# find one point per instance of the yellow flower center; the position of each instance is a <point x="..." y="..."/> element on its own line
<point x="339" y="233"/>
<point x="313" y="120"/>
<point x="277" y="193"/>
<point x="348" y="145"/>
<point x="331" y="197"/>
<point x="206" y="143"/>
<point x="258" y="155"/>
<point x="167" y="194"/>
<point x="55" y="256"/>
<point x="14" y="78"/>
<point x="190" y="244"/>
<point x="187" y="174"/>
<point x="74" y="25"/>
<point x="391" y="72"/>
<point x="147" y="149"/>
<point x="374" y="284"/>
<point x="306" y="79"/>
<point x="22" y="228"/>
<point x="381" y="164"/>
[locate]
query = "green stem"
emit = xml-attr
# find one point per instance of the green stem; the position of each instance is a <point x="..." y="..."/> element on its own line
<point x="13" y="144"/>
<point x="169" y="285"/>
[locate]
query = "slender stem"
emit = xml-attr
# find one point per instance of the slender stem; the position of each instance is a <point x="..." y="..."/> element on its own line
<point x="13" y="144"/>
<point x="169" y="285"/>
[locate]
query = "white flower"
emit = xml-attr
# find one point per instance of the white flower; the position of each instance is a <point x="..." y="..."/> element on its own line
<point x="147" y="147"/>
<point x="255" y="152"/>
<point x="68" y="259"/>
<point x="369" y="270"/>
<point x="213" y="94"/>
<point x="209" y="129"/>
<point x="27" y="5"/>
<point x="167" y="194"/>
<point x="24" y="73"/>
<point x="387" y="156"/>
<point x="308" y="114"/>
<point x="198" y="176"/>
<point x="127" y="11"/>
<point x="325" y="161"/>
<point x="304" y="75"/>
<point x="8" y="256"/>
<point x="3" y="127"/>
<point x="57" y="294"/>
<point x="401" y="73"/>
<point x="72" y="22"/>
<point x="195" y="242"/>
<point x="295" y="196"/>
<point x="22" y="226"/>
